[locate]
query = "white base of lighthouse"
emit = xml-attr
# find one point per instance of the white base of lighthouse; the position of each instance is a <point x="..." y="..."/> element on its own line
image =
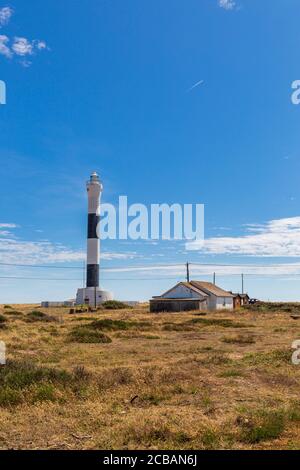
<point x="93" y="296"/>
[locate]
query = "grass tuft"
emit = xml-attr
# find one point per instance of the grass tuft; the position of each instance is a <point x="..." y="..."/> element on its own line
<point x="239" y="339"/>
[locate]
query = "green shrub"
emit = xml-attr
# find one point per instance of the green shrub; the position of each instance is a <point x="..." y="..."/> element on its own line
<point x="19" y="375"/>
<point x="86" y="335"/>
<point x="26" y="381"/>
<point x="3" y="321"/>
<point x="177" y="327"/>
<point x="293" y="412"/>
<point x="36" y="316"/>
<point x="44" y="392"/>
<point x="10" y="397"/>
<point x="115" y="305"/>
<point x="115" y="325"/>
<point x="14" y="313"/>
<point x="274" y="307"/>
<point x="210" y="439"/>
<point x="266" y="426"/>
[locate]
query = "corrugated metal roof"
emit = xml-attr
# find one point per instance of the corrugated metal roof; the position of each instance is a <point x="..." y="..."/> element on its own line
<point x="202" y="288"/>
<point x="211" y="288"/>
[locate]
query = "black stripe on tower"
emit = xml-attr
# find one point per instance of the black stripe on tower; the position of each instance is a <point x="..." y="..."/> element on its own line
<point x="93" y="222"/>
<point x="92" y="275"/>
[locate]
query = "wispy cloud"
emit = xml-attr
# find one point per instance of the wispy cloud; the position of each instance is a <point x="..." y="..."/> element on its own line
<point x="227" y="4"/>
<point x="276" y="238"/>
<point x="8" y="226"/>
<point x="14" y="250"/>
<point x="5" y="15"/>
<point x="201" y="82"/>
<point x="18" y="46"/>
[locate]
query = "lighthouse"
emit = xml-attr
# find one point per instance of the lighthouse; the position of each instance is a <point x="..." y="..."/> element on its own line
<point x="92" y="294"/>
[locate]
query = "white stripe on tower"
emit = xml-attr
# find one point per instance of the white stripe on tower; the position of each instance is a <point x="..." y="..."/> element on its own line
<point x="94" y="188"/>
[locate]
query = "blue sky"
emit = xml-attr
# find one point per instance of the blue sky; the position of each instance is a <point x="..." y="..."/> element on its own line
<point x="107" y="85"/>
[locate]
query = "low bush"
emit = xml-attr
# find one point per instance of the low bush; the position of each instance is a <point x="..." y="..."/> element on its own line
<point x="86" y="335"/>
<point x="26" y="382"/>
<point x="44" y="392"/>
<point x="3" y="321"/>
<point x="115" y="325"/>
<point x="115" y="305"/>
<point x="177" y="327"/>
<point x="19" y="375"/>
<point x="37" y="316"/>
<point x="14" y="313"/>
<point x="265" y="426"/>
<point x="10" y="397"/>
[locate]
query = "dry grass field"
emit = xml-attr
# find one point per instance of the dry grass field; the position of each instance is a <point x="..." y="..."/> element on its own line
<point x="128" y="379"/>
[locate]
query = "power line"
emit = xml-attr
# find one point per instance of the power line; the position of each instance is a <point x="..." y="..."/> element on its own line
<point x="45" y="266"/>
<point x="149" y="279"/>
<point x="77" y="280"/>
<point x="40" y="266"/>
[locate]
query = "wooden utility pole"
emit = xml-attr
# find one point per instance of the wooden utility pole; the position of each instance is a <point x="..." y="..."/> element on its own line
<point x="242" y="283"/>
<point x="187" y="272"/>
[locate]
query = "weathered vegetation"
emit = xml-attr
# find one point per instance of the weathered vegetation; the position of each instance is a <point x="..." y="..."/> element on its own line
<point x="126" y="379"/>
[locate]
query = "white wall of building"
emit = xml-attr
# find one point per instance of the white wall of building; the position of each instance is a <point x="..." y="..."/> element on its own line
<point x="182" y="292"/>
<point x="213" y="302"/>
<point x="224" y="303"/>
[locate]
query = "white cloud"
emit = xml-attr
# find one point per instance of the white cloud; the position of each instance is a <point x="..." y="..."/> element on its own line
<point x="276" y="238"/>
<point x="5" y="15"/>
<point x="8" y="226"/>
<point x="18" y="46"/>
<point x="14" y="250"/>
<point x="4" y="48"/>
<point x="112" y="256"/>
<point x="22" y="46"/>
<point x="41" y="45"/>
<point x="227" y="4"/>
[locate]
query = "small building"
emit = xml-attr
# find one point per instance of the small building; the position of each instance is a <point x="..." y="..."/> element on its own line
<point x="193" y="295"/>
<point x="240" y="300"/>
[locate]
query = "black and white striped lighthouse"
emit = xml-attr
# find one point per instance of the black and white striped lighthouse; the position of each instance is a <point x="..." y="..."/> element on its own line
<point x="92" y="294"/>
<point x="94" y="188"/>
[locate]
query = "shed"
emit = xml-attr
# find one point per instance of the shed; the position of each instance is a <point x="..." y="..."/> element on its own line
<point x="240" y="300"/>
<point x="193" y="295"/>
